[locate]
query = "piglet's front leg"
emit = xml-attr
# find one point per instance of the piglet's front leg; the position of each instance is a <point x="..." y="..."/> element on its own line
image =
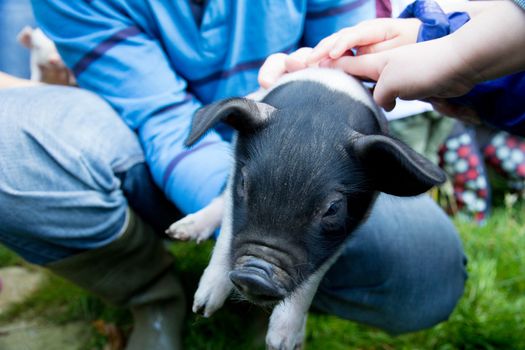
<point x="288" y="320"/>
<point x="200" y="225"/>
<point x="215" y="285"/>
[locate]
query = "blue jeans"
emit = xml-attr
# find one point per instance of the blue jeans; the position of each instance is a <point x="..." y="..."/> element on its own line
<point x="69" y="167"/>
<point x="402" y="270"/>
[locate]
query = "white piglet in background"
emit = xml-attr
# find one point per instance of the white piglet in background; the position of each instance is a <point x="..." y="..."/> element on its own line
<point x="46" y="64"/>
<point x="309" y="162"/>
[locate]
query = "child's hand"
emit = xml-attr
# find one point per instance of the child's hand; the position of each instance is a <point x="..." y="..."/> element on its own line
<point x="463" y="113"/>
<point x="367" y="37"/>
<point x="418" y="71"/>
<point x="55" y="72"/>
<point x="278" y="64"/>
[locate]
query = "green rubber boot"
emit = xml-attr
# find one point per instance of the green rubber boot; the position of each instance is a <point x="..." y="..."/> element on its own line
<point x="134" y="271"/>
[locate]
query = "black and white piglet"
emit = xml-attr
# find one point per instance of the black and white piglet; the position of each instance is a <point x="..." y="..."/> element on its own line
<point x="309" y="160"/>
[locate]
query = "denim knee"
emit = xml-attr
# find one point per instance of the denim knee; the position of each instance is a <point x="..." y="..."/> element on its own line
<point x="59" y="151"/>
<point x="402" y="271"/>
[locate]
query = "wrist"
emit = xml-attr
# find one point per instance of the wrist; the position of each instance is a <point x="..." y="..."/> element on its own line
<point x="491" y="57"/>
<point x="463" y="63"/>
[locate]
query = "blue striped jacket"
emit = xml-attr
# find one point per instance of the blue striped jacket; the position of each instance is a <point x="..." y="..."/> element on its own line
<point x="156" y="66"/>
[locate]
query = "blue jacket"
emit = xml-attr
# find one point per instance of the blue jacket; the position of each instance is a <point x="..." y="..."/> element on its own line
<point x="499" y="103"/>
<point x="156" y="67"/>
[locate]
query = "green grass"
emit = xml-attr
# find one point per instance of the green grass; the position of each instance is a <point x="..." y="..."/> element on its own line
<point x="8" y="258"/>
<point x="491" y="314"/>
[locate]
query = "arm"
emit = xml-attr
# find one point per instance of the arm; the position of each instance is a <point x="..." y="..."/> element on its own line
<point x="9" y="81"/>
<point x="492" y="57"/>
<point x="123" y="62"/>
<point x="384" y="33"/>
<point x="449" y="66"/>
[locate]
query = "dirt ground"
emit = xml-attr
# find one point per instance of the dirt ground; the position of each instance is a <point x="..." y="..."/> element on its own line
<point x="18" y="283"/>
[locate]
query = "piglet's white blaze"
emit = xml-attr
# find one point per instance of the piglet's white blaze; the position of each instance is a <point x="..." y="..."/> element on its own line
<point x="333" y="79"/>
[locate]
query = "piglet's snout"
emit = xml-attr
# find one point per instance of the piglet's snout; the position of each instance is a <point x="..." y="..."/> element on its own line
<point x="256" y="281"/>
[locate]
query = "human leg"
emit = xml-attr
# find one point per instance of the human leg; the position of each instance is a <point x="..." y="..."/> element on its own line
<point x="505" y="153"/>
<point x="65" y="159"/>
<point x="402" y="270"/>
<point x="461" y="159"/>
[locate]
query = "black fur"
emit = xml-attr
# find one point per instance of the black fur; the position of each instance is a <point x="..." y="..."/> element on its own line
<point x="291" y="166"/>
<point x="305" y="177"/>
<point x="241" y="114"/>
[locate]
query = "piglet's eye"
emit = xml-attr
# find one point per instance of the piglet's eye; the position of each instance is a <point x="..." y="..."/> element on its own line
<point x="241" y="184"/>
<point x="334" y="208"/>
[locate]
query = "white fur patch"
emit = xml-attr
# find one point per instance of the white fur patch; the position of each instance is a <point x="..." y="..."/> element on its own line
<point x="215" y="285"/>
<point x="287" y="322"/>
<point x="334" y="79"/>
<point x="200" y="225"/>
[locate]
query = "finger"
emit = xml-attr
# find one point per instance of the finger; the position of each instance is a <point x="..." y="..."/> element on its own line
<point x="272" y="69"/>
<point x="442" y="106"/>
<point x="379" y="47"/>
<point x="44" y="72"/>
<point x="449" y="109"/>
<point x="63" y="76"/>
<point x="71" y="79"/>
<point x="301" y="54"/>
<point x="367" y="33"/>
<point x="320" y="51"/>
<point x="347" y="39"/>
<point x="297" y="60"/>
<point x="367" y="66"/>
<point x="385" y="94"/>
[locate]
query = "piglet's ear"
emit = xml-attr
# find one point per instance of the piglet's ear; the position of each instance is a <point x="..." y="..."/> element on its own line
<point x="394" y="167"/>
<point x="242" y="114"/>
<point x="24" y="37"/>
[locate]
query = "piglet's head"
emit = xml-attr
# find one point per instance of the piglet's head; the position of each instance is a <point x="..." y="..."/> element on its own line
<point x="301" y="183"/>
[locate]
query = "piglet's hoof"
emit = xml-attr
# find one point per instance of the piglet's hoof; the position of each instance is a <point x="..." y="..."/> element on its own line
<point x="214" y="289"/>
<point x="189" y="229"/>
<point x="297" y="347"/>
